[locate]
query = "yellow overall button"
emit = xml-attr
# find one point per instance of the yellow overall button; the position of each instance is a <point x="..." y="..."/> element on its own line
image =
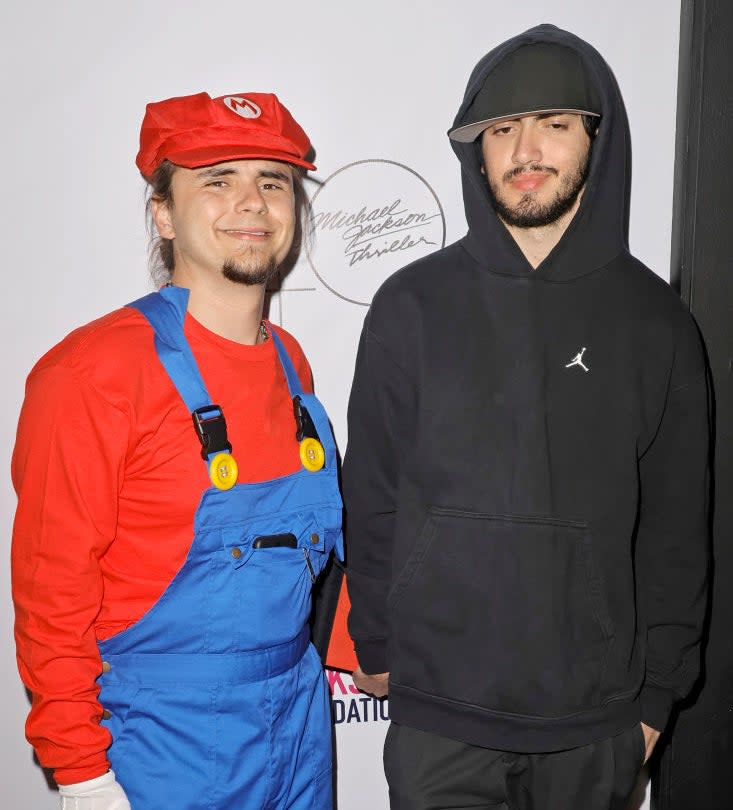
<point x="223" y="471"/>
<point x="312" y="454"/>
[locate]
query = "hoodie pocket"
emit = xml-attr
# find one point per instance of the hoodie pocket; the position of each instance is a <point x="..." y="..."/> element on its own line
<point x="502" y="611"/>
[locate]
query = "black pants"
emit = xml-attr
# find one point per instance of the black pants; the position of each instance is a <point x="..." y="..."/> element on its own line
<point x="429" y="772"/>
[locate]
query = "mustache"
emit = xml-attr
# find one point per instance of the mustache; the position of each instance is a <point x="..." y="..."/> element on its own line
<point x="533" y="169"/>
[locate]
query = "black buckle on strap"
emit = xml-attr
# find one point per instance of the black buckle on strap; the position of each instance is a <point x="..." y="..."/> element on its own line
<point x="305" y="427"/>
<point x="211" y="428"/>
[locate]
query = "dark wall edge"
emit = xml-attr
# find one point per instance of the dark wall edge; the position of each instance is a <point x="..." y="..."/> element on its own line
<point x="687" y="146"/>
<point x="691" y="766"/>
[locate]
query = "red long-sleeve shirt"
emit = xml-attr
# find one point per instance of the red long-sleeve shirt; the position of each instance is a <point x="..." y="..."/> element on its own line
<point x="108" y="472"/>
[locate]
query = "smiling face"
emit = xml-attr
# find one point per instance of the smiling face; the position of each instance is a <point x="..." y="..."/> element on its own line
<point x="234" y="219"/>
<point x="536" y="167"/>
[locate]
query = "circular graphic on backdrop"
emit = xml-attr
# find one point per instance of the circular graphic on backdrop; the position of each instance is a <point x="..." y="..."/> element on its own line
<point x="370" y="218"/>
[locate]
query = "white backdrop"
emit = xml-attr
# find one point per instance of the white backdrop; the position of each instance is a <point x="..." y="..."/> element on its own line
<point x="374" y="82"/>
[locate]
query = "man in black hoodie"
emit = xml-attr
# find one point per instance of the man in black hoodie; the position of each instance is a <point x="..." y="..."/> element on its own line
<point x="526" y="473"/>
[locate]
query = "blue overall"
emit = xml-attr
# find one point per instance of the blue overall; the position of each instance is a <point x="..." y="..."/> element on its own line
<point x="216" y="697"/>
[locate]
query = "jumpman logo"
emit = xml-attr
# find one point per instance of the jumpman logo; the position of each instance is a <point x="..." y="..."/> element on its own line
<point x="578" y="360"/>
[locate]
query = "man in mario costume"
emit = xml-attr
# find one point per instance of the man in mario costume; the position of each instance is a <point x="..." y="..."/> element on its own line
<point x="178" y="497"/>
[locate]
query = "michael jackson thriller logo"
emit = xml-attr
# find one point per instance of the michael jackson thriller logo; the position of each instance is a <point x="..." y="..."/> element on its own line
<point x="369" y="219"/>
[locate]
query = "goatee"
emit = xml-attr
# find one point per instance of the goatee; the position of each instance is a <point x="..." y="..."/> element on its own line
<point x="249" y="273"/>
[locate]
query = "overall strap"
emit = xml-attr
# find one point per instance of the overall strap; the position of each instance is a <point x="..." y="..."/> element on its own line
<point x="315" y="414"/>
<point x="294" y="386"/>
<point x="166" y="310"/>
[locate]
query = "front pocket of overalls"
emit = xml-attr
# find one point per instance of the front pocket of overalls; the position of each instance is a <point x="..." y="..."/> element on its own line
<point x="510" y="607"/>
<point x="273" y="585"/>
<point x="127" y="706"/>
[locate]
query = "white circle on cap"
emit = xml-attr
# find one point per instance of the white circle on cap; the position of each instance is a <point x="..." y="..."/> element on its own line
<point x="243" y="107"/>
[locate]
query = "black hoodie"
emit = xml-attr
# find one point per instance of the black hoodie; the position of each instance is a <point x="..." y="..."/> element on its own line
<point x="527" y="536"/>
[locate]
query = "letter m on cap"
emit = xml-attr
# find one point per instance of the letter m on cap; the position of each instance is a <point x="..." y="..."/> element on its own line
<point x="243" y="107"/>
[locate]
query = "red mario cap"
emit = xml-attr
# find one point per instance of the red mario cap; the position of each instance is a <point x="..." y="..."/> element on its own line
<point x="198" y="130"/>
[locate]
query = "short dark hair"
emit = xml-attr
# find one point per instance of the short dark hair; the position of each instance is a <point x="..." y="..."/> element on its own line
<point x="160" y="250"/>
<point x="591" y="124"/>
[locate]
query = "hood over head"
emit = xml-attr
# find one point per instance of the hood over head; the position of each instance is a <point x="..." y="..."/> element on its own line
<point x="581" y="82"/>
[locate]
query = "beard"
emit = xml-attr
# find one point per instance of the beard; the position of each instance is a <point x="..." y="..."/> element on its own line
<point x="250" y="272"/>
<point x="528" y="212"/>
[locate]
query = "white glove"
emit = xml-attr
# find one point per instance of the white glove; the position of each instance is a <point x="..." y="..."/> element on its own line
<point x="102" y="793"/>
